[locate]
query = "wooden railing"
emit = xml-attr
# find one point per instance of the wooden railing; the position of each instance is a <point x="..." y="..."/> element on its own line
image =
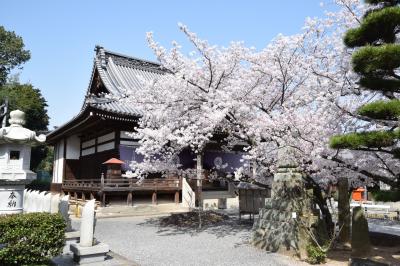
<point x="122" y="184"/>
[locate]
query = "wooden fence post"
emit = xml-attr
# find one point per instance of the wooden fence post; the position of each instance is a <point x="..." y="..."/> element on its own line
<point x="154" y="198"/>
<point x="177" y="197"/>
<point x="129" y="199"/>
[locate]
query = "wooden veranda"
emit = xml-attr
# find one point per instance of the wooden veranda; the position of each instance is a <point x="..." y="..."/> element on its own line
<point x="103" y="187"/>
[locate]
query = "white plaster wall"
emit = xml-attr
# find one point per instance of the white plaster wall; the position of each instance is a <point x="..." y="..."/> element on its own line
<point x="88" y="151"/>
<point x="88" y="143"/>
<point x="106" y="137"/>
<point x="58" y="166"/>
<point x="73" y="147"/>
<point x="106" y="146"/>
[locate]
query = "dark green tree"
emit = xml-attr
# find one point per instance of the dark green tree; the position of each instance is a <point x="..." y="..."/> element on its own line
<point x="12" y="53"/>
<point x="29" y="100"/>
<point x="377" y="61"/>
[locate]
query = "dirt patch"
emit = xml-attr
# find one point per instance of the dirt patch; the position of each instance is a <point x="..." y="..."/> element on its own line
<point x="192" y="220"/>
<point x="385" y="249"/>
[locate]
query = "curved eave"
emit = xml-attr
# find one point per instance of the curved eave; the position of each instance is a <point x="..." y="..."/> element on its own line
<point x="87" y="115"/>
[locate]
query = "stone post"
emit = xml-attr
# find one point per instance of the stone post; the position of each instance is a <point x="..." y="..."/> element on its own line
<point x="87" y="224"/>
<point x="47" y="203"/>
<point x="64" y="208"/>
<point x="360" y="242"/>
<point x="55" y="200"/>
<point x="344" y="211"/>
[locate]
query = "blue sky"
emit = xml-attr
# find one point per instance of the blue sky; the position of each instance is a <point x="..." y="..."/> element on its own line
<point x="61" y="35"/>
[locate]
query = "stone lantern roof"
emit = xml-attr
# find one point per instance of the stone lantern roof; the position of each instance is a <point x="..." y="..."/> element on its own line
<point x="17" y="134"/>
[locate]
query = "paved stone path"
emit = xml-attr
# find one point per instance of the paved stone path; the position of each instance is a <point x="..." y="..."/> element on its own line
<point x="384" y="226"/>
<point x="141" y="240"/>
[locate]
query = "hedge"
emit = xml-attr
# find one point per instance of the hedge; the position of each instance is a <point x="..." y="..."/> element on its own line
<point x="386" y="195"/>
<point x="41" y="185"/>
<point x="31" y="239"/>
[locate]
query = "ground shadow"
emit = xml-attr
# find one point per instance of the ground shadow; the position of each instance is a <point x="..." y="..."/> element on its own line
<point x="229" y="227"/>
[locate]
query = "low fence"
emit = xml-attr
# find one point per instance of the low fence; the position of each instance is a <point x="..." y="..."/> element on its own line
<point x="104" y="186"/>
<point x="122" y="184"/>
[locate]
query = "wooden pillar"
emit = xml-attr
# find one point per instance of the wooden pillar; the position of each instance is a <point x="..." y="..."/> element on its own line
<point x="154" y="198"/>
<point x="177" y="197"/>
<point x="129" y="199"/>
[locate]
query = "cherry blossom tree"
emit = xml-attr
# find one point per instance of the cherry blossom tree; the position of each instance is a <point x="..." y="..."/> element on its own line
<point x="284" y="95"/>
<point x="298" y="91"/>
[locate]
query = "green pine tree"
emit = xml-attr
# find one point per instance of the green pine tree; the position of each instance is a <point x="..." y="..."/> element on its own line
<point x="377" y="62"/>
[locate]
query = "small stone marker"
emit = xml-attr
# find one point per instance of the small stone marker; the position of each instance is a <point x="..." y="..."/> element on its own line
<point x="64" y="208"/>
<point x="86" y="251"/>
<point x="27" y="200"/>
<point x="55" y="200"/>
<point x="87" y="224"/>
<point x="47" y="203"/>
<point x="33" y="206"/>
<point x="41" y="201"/>
<point x="360" y="242"/>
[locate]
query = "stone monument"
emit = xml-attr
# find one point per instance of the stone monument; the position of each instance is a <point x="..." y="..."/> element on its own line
<point x="86" y="251"/>
<point x="15" y="155"/>
<point x="63" y="207"/>
<point x="344" y="212"/>
<point x="54" y="202"/>
<point x="360" y="242"/>
<point x="284" y="222"/>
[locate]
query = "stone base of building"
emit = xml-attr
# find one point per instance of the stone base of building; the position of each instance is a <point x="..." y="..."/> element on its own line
<point x="96" y="253"/>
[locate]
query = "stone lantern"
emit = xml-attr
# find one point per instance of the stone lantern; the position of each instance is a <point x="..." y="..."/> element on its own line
<point x="15" y="157"/>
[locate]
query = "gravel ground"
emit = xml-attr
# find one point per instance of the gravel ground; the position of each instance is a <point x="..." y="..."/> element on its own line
<point x="143" y="241"/>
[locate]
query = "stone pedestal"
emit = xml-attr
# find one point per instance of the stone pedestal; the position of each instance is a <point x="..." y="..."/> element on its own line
<point x="70" y="238"/>
<point x="11" y="196"/>
<point x="95" y="253"/>
<point x="284" y="222"/>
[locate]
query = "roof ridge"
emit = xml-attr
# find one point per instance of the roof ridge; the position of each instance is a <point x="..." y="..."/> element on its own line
<point x="101" y="48"/>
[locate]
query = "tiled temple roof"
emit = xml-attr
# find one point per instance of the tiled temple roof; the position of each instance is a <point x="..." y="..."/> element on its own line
<point x="118" y="75"/>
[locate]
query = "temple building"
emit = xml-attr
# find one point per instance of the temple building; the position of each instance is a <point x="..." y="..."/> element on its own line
<point x="101" y="131"/>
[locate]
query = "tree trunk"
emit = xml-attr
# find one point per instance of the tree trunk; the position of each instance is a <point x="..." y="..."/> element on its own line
<point x="199" y="177"/>
<point x="323" y="206"/>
